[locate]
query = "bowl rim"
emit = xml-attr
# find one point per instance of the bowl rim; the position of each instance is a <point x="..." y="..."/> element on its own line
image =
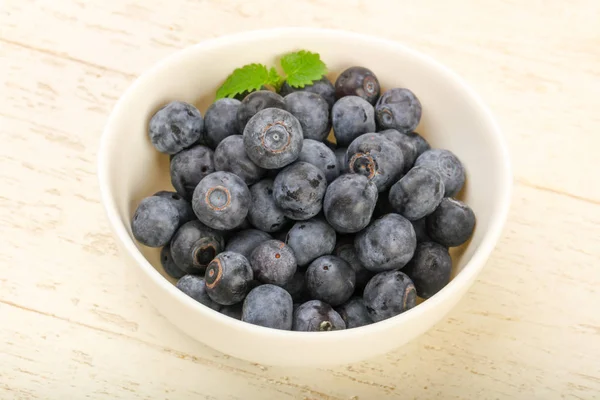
<point x="472" y="267"/>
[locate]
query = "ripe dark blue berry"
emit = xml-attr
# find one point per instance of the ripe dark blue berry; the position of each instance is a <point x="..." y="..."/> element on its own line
<point x="388" y="294"/>
<point x="358" y="81"/>
<point x="221" y="200"/>
<point x="273" y="262"/>
<point x="312" y="111"/>
<point x="188" y="167"/>
<point x="388" y="243"/>
<point x="264" y="213"/>
<point x="244" y="242"/>
<point x="322" y="87"/>
<point x="273" y="138"/>
<point x="417" y="193"/>
<point x="398" y="109"/>
<point x="255" y="102"/>
<point x="351" y="117"/>
<point x="175" y="126"/>
<point x="452" y="223"/>
<point x="354" y="313"/>
<point x="405" y="143"/>
<point x="321" y="156"/>
<point x="155" y="221"/>
<point x="228" y="278"/>
<point x="346" y="251"/>
<point x="330" y="279"/>
<point x="194" y="246"/>
<point x="298" y="190"/>
<point x="186" y="213"/>
<point x="269" y="306"/>
<point x="220" y="121"/>
<point x="231" y="156"/>
<point x="310" y="240"/>
<point x="349" y="203"/>
<point x="317" y="316"/>
<point x="429" y="269"/>
<point x="194" y="286"/>
<point x="445" y="163"/>
<point x="168" y="264"/>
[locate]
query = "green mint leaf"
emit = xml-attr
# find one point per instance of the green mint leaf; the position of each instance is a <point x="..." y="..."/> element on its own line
<point x="274" y="79"/>
<point x="302" y="68"/>
<point x="247" y="78"/>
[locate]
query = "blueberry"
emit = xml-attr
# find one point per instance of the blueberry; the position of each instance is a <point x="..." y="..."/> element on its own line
<point x="194" y="286"/>
<point x="186" y="213"/>
<point x="445" y="163"/>
<point x="405" y="143"/>
<point x="168" y="264"/>
<point x="351" y="117"/>
<point x="310" y="240"/>
<point x="358" y="81"/>
<point x="349" y="203"/>
<point x="228" y="278"/>
<point x="342" y="163"/>
<point x="452" y="223"/>
<point x="221" y="200"/>
<point x="188" y="167"/>
<point x="377" y="158"/>
<point x="315" y="315"/>
<point x="429" y="269"/>
<point x="419" y="142"/>
<point x="346" y="251"/>
<point x="155" y="221"/>
<point x="420" y="226"/>
<point x="321" y="156"/>
<point x="398" y="109"/>
<point x="255" y="102"/>
<point x="273" y="262"/>
<point x="244" y="242"/>
<point x="221" y="121"/>
<point x="273" y="138"/>
<point x="330" y="279"/>
<point x="194" y="246"/>
<point x="312" y="111"/>
<point x="269" y="306"/>
<point x="417" y="193"/>
<point x="322" y="87"/>
<point x="264" y="213"/>
<point x="233" y="311"/>
<point x="388" y="294"/>
<point x="388" y="243"/>
<point x="231" y="156"/>
<point x="298" y="190"/>
<point x="175" y="126"/>
<point x="354" y="313"/>
<point x="296" y="287"/>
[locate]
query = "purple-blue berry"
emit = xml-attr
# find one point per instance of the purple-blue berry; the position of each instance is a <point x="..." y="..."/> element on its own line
<point x="321" y="156"/>
<point x="269" y="306"/>
<point x="310" y="240"/>
<point x="349" y="203"/>
<point x="351" y="116"/>
<point x="417" y="193"/>
<point x="452" y="223"/>
<point x="322" y="87"/>
<point x="358" y="81"/>
<point x="230" y="156"/>
<point x="255" y="102"/>
<point x="189" y="167"/>
<point x="388" y="294"/>
<point x="330" y="279"/>
<point x="312" y="111"/>
<point x="273" y="262"/>
<point x="298" y="190"/>
<point x="429" y="269"/>
<point x="194" y="286"/>
<point x="220" y="121"/>
<point x="354" y="313"/>
<point x="194" y="246"/>
<point x="398" y="109"/>
<point x="317" y="316"/>
<point x="228" y="278"/>
<point x="445" y="163"/>
<point x="175" y="126"/>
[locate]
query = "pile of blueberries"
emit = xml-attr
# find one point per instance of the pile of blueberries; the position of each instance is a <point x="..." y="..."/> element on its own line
<point x="273" y="224"/>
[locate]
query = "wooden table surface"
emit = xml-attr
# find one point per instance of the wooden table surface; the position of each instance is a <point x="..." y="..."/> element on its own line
<point x="72" y="326"/>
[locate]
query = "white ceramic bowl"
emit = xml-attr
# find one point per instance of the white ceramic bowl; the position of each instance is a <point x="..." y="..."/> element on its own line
<point x="454" y="117"/>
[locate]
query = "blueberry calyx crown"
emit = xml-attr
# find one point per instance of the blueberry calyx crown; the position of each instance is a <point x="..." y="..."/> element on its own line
<point x="363" y="164"/>
<point x="213" y="273"/>
<point x="276" y="137"/>
<point x="218" y="198"/>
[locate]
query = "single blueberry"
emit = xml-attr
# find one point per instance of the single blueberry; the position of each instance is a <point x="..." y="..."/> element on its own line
<point x="398" y="109"/>
<point x="273" y="262"/>
<point x="155" y="221"/>
<point x="186" y="213"/>
<point x="388" y="294"/>
<point x="255" y="102"/>
<point x="358" y="81"/>
<point x="269" y="306"/>
<point x="417" y="193"/>
<point x="168" y="264"/>
<point x="263" y="212"/>
<point x="354" y="313"/>
<point x="452" y="223"/>
<point x="228" y="278"/>
<point x="244" y="242"/>
<point x="273" y="138"/>
<point x="317" y="316"/>
<point x="194" y="286"/>
<point x="429" y="269"/>
<point x="377" y="158"/>
<point x="312" y="111"/>
<point x="388" y="243"/>
<point x="188" y="167"/>
<point x="221" y="200"/>
<point x="296" y="287"/>
<point x="322" y="87"/>
<point x="175" y="126"/>
<point x="330" y="279"/>
<point x="445" y="163"/>
<point x="298" y="190"/>
<point x="310" y="240"/>
<point x="405" y="143"/>
<point x="321" y="156"/>
<point x="420" y="226"/>
<point x="194" y="246"/>
<point x="346" y="251"/>
<point x="349" y="203"/>
<point x="351" y="117"/>
<point x="220" y="121"/>
<point x="231" y="156"/>
<point x="342" y="163"/>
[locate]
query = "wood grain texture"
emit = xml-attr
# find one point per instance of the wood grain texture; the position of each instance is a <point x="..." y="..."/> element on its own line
<point x="72" y="324"/>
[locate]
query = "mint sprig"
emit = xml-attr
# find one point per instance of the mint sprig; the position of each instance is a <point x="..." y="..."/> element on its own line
<point x="301" y="68"/>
